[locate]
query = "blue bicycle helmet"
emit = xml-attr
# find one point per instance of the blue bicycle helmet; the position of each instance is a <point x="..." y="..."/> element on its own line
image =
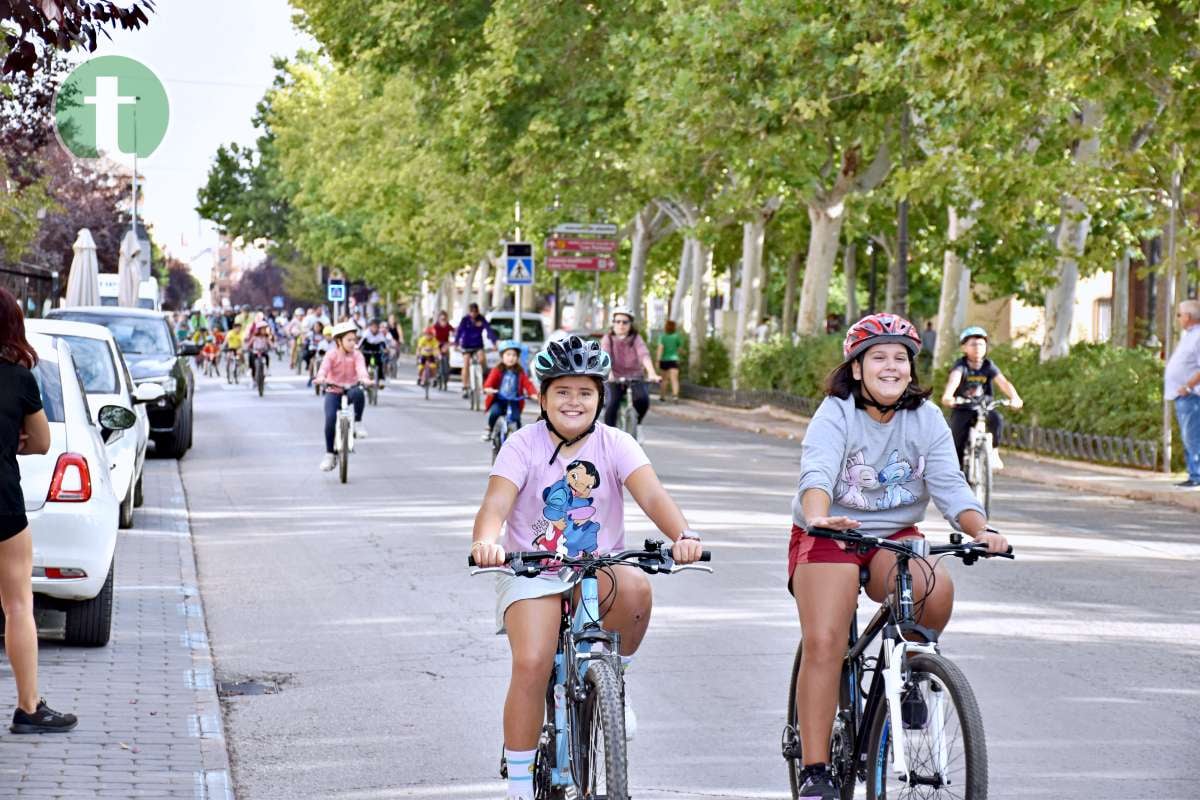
<point x="972" y="332"/>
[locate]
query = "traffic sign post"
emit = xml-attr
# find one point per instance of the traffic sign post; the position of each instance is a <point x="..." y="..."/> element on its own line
<point x="335" y="292"/>
<point x="518" y="272"/>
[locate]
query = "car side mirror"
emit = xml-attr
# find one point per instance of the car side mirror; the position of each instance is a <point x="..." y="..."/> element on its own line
<point x="116" y="418"/>
<point x="148" y="393"/>
<point x="188" y="349"/>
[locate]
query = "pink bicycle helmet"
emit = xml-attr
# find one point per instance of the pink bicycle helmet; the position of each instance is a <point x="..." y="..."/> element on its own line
<point x="877" y="329"/>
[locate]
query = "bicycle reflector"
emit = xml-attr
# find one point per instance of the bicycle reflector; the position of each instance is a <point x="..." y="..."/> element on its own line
<point x="72" y="482"/>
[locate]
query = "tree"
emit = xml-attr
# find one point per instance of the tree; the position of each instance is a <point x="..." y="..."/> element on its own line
<point x="50" y="25"/>
<point x="181" y="289"/>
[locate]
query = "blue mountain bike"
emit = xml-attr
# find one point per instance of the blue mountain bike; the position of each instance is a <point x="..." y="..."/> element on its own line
<point x="581" y="752"/>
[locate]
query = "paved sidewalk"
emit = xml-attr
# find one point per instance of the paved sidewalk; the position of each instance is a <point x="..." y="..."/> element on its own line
<point x="1133" y="484"/>
<point x="149" y="718"/>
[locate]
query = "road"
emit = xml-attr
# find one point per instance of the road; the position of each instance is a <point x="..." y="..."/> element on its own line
<point x="353" y="605"/>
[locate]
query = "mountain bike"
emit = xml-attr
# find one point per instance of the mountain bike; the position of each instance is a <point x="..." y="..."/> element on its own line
<point x="375" y="370"/>
<point x="915" y="691"/>
<point x="627" y="417"/>
<point x="343" y="433"/>
<point x="475" y="384"/>
<point x="979" y="454"/>
<point x="502" y="428"/>
<point x="581" y="751"/>
<point x="258" y="368"/>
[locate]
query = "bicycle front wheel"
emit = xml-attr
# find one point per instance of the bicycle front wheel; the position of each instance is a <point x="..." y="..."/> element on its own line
<point x="344" y="450"/>
<point x="943" y="739"/>
<point x="981" y="469"/>
<point x="600" y="761"/>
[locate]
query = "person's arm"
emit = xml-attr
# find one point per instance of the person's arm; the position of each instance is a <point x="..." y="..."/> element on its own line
<point x="649" y="493"/>
<point x="323" y="371"/>
<point x="35" y="435"/>
<point x="360" y="369"/>
<point x="1006" y="386"/>
<point x="491" y="384"/>
<point x="528" y="387"/>
<point x="952" y="383"/>
<point x="644" y="354"/>
<point x="658" y="352"/>
<point x="497" y="502"/>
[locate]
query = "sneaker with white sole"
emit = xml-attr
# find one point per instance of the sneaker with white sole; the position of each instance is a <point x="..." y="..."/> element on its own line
<point x="486" y="436"/>
<point x="360" y="430"/>
<point x="328" y="462"/>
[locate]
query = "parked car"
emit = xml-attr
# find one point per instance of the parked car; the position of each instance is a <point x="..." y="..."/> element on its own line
<point x="146" y="341"/>
<point x="69" y="499"/>
<point x="533" y="334"/>
<point x="107" y="381"/>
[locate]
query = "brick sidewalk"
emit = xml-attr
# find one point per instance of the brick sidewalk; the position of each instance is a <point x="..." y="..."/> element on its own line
<point x="1133" y="484"/>
<point x="149" y="718"/>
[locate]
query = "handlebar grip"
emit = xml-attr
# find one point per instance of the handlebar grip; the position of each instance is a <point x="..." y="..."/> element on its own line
<point x="706" y="555"/>
<point x="470" y="561"/>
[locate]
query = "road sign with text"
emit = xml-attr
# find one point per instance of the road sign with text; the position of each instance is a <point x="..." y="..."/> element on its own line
<point x="518" y="263"/>
<point x="581" y="263"/>
<point x="578" y="244"/>
<point x="585" y="229"/>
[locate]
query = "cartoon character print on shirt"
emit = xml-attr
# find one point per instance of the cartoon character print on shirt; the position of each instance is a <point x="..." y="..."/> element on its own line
<point x="859" y="477"/>
<point x="569" y="510"/>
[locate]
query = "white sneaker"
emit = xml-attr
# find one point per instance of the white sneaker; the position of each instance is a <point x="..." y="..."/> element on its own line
<point x="360" y="430"/>
<point x="640" y="438"/>
<point x="997" y="464"/>
<point x="328" y="462"/>
<point x="486" y="436"/>
<point x="630" y="718"/>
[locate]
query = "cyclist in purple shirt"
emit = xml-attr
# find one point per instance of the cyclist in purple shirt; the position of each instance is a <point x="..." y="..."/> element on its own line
<point x="469" y="339"/>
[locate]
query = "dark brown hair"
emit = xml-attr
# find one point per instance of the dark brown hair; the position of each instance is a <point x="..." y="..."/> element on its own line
<point x="841" y="384"/>
<point x="669" y="327"/>
<point x="14" y="347"/>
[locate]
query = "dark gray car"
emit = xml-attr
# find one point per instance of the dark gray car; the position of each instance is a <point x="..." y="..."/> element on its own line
<point x="149" y="347"/>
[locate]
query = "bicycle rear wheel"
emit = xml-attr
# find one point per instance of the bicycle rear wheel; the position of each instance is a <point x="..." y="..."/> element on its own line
<point x="841" y="743"/>
<point x="601" y="766"/>
<point x="344" y="449"/>
<point x="947" y="757"/>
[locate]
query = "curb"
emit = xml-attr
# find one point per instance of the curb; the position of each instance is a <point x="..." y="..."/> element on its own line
<point x="1019" y="465"/>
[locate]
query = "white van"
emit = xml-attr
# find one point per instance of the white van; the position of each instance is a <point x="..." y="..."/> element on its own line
<point x="533" y="335"/>
<point x="110" y="291"/>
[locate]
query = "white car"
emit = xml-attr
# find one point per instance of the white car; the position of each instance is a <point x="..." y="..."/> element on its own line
<point x="107" y="381"/>
<point x="69" y="499"/>
<point x="533" y="335"/>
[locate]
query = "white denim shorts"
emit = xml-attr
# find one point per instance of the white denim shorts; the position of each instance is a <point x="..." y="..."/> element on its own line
<point x="511" y="588"/>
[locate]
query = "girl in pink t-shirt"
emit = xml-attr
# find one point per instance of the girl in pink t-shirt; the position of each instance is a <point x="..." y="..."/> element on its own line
<point x="559" y="485"/>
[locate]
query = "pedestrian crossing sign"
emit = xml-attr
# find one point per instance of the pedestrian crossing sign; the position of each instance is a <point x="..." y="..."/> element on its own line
<point x="518" y="262"/>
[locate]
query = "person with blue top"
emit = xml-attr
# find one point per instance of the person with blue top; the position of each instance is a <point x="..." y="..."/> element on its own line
<point x="469" y="339"/>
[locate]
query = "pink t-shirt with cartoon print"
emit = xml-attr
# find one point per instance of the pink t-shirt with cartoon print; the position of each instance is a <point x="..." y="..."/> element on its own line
<point x="569" y="507"/>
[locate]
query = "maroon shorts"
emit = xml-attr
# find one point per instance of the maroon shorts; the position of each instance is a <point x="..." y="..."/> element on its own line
<point x="805" y="549"/>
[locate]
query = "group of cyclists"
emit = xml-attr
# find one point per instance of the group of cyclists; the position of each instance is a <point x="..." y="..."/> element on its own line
<point x="874" y="456"/>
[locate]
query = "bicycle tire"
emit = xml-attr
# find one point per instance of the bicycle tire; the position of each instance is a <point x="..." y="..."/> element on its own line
<point x="344" y="450"/>
<point x="601" y="722"/>
<point x="425" y="383"/>
<point x="986" y="474"/>
<point x="373" y="394"/>
<point x="497" y="438"/>
<point x="970" y="724"/>
<point x="795" y="762"/>
<point x="981" y="482"/>
<point x="260" y="377"/>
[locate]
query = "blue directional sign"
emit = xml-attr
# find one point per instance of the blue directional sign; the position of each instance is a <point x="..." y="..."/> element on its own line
<point x="518" y="263"/>
<point x="335" y="291"/>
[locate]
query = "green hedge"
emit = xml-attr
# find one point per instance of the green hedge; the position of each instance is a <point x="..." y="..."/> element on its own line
<point x="716" y="367"/>
<point x="1097" y="389"/>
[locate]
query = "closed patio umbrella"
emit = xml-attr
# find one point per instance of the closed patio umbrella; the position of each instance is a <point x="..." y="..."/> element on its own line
<point x="83" y="285"/>
<point x="129" y="271"/>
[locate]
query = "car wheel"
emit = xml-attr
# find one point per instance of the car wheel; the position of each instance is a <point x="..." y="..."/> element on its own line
<point x="125" y="512"/>
<point x="176" y="443"/>
<point x="191" y="424"/>
<point x="138" y="496"/>
<point x="89" y="622"/>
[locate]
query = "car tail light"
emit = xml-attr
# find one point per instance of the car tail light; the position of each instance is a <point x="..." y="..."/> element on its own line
<point x="58" y="573"/>
<point x="72" y="482"/>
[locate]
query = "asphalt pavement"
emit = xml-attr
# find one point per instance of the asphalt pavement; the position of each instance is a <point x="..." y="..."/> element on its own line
<point x="351" y="607"/>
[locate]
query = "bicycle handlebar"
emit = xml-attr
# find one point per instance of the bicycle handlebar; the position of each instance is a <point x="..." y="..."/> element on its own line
<point x="531" y="563"/>
<point x="987" y="403"/>
<point x="968" y="551"/>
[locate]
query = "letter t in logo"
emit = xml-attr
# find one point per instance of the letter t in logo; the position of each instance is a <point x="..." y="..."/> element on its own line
<point x="107" y="101"/>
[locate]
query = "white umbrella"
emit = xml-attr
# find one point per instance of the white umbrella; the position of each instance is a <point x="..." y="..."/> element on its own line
<point x="129" y="271"/>
<point x="83" y="285"/>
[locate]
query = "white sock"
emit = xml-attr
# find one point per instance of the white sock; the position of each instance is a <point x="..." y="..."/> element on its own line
<point x="520" y="773"/>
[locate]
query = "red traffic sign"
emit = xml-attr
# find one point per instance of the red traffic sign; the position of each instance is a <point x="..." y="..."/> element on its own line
<point x="582" y="263"/>
<point x="581" y="245"/>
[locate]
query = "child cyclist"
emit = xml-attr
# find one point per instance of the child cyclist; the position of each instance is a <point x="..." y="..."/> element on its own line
<point x="567" y="460"/>
<point x="342" y="370"/>
<point x="874" y="455"/>
<point x="972" y="377"/>
<point x="506" y="387"/>
<point x="428" y="351"/>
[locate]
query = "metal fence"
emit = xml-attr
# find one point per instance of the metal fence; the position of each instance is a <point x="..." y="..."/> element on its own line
<point x="1124" y="451"/>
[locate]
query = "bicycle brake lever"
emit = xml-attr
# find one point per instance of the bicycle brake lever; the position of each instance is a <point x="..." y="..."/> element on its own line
<point x="684" y="567"/>
<point x="482" y="570"/>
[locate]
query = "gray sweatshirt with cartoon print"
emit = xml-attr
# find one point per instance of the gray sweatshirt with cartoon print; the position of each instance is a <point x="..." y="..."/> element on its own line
<point x="882" y="474"/>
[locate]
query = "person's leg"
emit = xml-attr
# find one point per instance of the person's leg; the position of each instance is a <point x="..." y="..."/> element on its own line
<point x="826" y="596"/>
<point x="20" y="631"/>
<point x="673" y="374"/>
<point x="494" y="413"/>
<point x="613" y="392"/>
<point x="332" y="404"/>
<point x="933" y="591"/>
<point x="466" y="372"/>
<point x="995" y="426"/>
<point x="628" y="613"/>
<point x="641" y="400"/>
<point x="1187" y="412"/>
<point x="532" y="627"/>
<point x="359" y="400"/>
<point x="961" y="420"/>
<point x="514" y="413"/>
